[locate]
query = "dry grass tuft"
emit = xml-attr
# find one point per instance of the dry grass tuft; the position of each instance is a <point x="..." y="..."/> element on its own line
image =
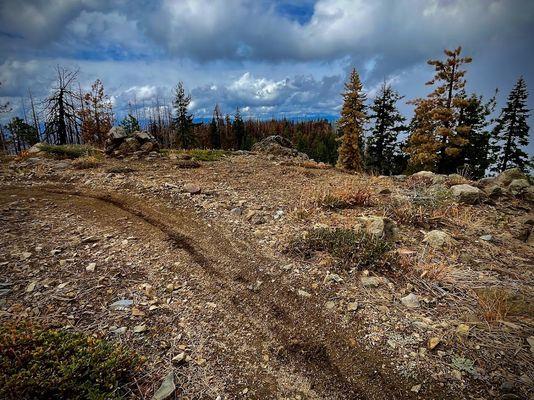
<point x="494" y="304"/>
<point x="86" y="162"/>
<point x="346" y="195"/>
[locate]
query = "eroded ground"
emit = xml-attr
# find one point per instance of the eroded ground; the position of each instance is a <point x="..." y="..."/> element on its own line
<point x="210" y="276"/>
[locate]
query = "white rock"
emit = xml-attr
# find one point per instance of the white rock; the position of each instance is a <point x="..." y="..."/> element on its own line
<point x="410" y="301"/>
<point x="467" y="194"/>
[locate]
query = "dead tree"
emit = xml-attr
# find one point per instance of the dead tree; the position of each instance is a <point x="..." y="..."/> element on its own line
<point x="62" y="121"/>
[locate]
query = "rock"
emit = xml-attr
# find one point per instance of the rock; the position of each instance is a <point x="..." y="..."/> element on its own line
<point x="530" y="341"/>
<point x="143" y="136"/>
<point x="424" y="174"/>
<point x="278" y="214"/>
<point x="276" y="145"/>
<point x="486" y="238"/>
<point x="36" y="148"/>
<point x="237" y="211"/>
<point x="179" y="358"/>
<point x="433" y="342"/>
<point x="330" y="305"/>
<point x="139" y="328"/>
<point x="333" y="278"/>
<point x="467" y="194"/>
<point x="121" y="305"/>
<point x="380" y="227"/>
<point x="91" y="267"/>
<point x="148" y="147"/>
<point x="31" y="286"/>
<point x="192" y="189"/>
<point x="416" y="388"/>
<point x="463" y="329"/>
<point x="410" y="301"/>
<point x="370" y="281"/>
<point x="352" y="306"/>
<point x="506" y="177"/>
<point x="438" y="239"/>
<point x="25" y="255"/>
<point x="303" y="293"/>
<point x="166" y="389"/>
<point x="518" y="187"/>
<point x="494" y="191"/>
<point x="119" y="331"/>
<point x="117" y="133"/>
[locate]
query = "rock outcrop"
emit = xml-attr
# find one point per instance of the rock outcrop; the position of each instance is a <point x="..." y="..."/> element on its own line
<point x="467" y="194"/>
<point x="120" y="143"/>
<point x="279" y="146"/>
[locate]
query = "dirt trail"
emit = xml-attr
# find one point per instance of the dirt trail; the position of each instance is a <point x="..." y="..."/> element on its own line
<point x="259" y="311"/>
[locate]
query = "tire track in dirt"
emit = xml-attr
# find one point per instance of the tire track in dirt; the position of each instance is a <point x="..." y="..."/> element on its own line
<point x="317" y="347"/>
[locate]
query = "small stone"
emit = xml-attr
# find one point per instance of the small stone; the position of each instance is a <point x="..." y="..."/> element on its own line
<point x="438" y="239"/>
<point x="31" y="287"/>
<point x="370" y="281"/>
<point x="179" y="358"/>
<point x="137" y="312"/>
<point x="169" y="288"/>
<point x="530" y="341"/>
<point x="192" y="189"/>
<point x="91" y="267"/>
<point x="410" y="301"/>
<point x="433" y="342"/>
<point x="330" y="305"/>
<point x="122" y="305"/>
<point x="333" y="278"/>
<point x="237" y="211"/>
<point x="486" y="238"/>
<point x="62" y="263"/>
<point x="55" y="252"/>
<point x="463" y="329"/>
<point x="24" y="256"/>
<point x="119" y="331"/>
<point x="416" y="388"/>
<point x="352" y="306"/>
<point x="457" y="374"/>
<point x="278" y="214"/>
<point x="303" y="293"/>
<point x="166" y="389"/>
<point x="139" y="328"/>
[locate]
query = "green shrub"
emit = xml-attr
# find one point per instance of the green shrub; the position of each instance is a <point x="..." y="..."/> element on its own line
<point x="349" y="248"/>
<point x="37" y="363"/>
<point x="68" y="150"/>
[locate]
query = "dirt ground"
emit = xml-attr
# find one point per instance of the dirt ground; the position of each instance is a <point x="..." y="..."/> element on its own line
<point x="210" y="276"/>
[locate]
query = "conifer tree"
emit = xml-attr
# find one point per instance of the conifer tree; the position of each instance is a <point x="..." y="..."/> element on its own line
<point x="183" y="121"/>
<point x="382" y="151"/>
<point x="130" y="124"/>
<point x="476" y="154"/>
<point x="351" y="124"/>
<point x="239" y="130"/>
<point x="216" y="128"/>
<point x="511" y="132"/>
<point x="436" y="125"/>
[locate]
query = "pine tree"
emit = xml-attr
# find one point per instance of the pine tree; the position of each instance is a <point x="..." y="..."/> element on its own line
<point x="436" y="125"/>
<point x="351" y="124"/>
<point x="382" y="152"/>
<point x="476" y="154"/>
<point x="239" y="130"/>
<point x="216" y="128"/>
<point x="183" y="121"/>
<point x="23" y="135"/>
<point x="511" y="132"/>
<point x="130" y="124"/>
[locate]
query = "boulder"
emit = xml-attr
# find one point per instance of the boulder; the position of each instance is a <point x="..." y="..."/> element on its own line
<point x="506" y="177"/>
<point x="381" y="227"/>
<point x="117" y="133"/>
<point x="120" y="143"/>
<point x="467" y="194"/>
<point x="494" y="191"/>
<point x="129" y="145"/>
<point x="36" y="148"/>
<point x="518" y="186"/>
<point x="424" y="174"/>
<point x="438" y="239"/>
<point x="277" y="145"/>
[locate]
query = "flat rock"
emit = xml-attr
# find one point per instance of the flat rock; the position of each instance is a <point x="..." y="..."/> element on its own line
<point x="438" y="239"/>
<point x="370" y="281"/>
<point x="192" y="189"/>
<point x="121" y="305"/>
<point x="166" y="389"/>
<point x="410" y="301"/>
<point x="467" y="194"/>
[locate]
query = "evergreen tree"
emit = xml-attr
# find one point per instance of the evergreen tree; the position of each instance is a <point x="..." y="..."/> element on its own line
<point x="351" y="124"/>
<point x="476" y="154"/>
<point x="382" y="152"/>
<point x="130" y="124"/>
<point x="23" y="135"/>
<point x="239" y="130"/>
<point x="216" y="127"/>
<point x="183" y="121"/>
<point x="511" y="132"/>
<point x="438" y="137"/>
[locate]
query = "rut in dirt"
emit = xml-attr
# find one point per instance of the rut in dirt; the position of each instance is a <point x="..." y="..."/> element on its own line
<point x="320" y="350"/>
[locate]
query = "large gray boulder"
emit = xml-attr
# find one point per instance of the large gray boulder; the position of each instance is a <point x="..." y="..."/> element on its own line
<point x="117" y="133"/>
<point x="467" y="194"/>
<point x="278" y="146"/>
<point x="506" y="177"/>
<point x="518" y="187"/>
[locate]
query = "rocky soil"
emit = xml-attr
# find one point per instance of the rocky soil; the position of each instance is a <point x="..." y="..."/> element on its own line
<point x="190" y="264"/>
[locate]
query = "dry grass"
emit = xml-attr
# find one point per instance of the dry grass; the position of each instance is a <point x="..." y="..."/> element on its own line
<point x="348" y="194"/>
<point x="86" y="162"/>
<point x="494" y="304"/>
<point x="430" y="267"/>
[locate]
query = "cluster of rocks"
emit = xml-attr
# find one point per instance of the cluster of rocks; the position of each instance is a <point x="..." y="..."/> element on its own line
<point x="278" y="146"/>
<point x="121" y="143"/>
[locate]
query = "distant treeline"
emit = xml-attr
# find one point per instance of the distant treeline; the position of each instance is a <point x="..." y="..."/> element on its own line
<point x="451" y="130"/>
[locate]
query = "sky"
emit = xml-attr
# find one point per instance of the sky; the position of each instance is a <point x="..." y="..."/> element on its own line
<point x="271" y="58"/>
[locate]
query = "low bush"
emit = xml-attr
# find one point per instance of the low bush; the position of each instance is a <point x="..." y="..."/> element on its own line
<point x="350" y="249"/>
<point x="343" y="196"/>
<point x="37" y="363"/>
<point x="68" y="150"/>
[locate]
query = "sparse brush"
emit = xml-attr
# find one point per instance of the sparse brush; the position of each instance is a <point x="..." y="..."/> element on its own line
<point x="427" y="266"/>
<point x="68" y="150"/>
<point x="186" y="164"/>
<point x="350" y="249"/>
<point x="347" y="195"/>
<point x="54" y="364"/>
<point x="86" y="162"/>
<point x="494" y="303"/>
